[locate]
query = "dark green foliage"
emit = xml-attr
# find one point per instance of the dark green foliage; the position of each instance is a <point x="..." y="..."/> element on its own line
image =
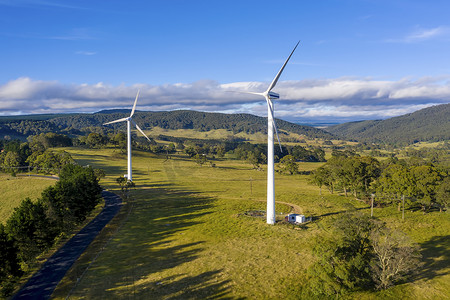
<point x="50" y="160"/>
<point x="414" y="180"/>
<point x="429" y="124"/>
<point x="96" y="140"/>
<point x="50" y="139"/>
<point x="31" y="228"/>
<point x="302" y="154"/>
<point x="22" y="128"/>
<point x="344" y="256"/>
<point x="73" y="197"/>
<point x="184" y="119"/>
<point x="9" y="259"/>
<point x="349" y="173"/>
<point x="443" y="194"/>
<point x="359" y="253"/>
<point x="288" y="165"/>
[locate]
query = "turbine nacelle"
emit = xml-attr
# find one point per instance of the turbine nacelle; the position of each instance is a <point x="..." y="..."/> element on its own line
<point x="273" y="95"/>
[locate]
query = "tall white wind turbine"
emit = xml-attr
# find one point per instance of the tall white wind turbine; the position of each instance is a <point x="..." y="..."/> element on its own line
<point x="129" y="121"/>
<point x="269" y="95"/>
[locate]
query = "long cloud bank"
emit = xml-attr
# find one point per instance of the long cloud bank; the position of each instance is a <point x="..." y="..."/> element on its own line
<point x="321" y="100"/>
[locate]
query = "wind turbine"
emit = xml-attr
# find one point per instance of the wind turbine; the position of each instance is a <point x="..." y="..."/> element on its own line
<point x="269" y="96"/>
<point x="129" y="121"/>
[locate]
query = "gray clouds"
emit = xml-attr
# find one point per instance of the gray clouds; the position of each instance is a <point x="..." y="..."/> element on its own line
<point x="339" y="99"/>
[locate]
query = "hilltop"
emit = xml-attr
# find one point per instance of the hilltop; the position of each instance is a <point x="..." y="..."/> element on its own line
<point x="430" y="124"/>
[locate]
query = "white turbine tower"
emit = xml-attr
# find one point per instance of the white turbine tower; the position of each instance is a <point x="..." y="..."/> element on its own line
<point x="269" y="95"/>
<point x="129" y="121"/>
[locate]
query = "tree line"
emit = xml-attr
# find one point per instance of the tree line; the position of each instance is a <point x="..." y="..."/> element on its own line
<point x="17" y="156"/>
<point x="393" y="180"/>
<point x="36" y="226"/>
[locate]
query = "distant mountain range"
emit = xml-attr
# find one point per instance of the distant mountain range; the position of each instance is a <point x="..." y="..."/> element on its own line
<point x="23" y="126"/>
<point x="429" y="124"/>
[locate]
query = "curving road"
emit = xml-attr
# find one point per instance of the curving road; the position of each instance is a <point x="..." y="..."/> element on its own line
<point x="44" y="281"/>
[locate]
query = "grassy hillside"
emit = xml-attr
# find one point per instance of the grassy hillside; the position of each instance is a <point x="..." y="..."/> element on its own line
<point x="430" y="124"/>
<point x="23" y="126"/>
<point x="15" y="189"/>
<point x="187" y="236"/>
<point x="186" y="119"/>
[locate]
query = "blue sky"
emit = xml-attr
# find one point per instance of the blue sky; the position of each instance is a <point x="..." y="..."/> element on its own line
<point x="357" y="59"/>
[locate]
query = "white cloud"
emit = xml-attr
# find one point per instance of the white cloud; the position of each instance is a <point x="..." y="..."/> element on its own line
<point x="326" y="99"/>
<point x="421" y="34"/>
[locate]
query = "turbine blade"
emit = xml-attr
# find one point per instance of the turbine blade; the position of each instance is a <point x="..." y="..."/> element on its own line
<point x="134" y="106"/>
<point x="242" y="92"/>
<point x="140" y="130"/>
<point x="274" y="123"/>
<point x="116" y="121"/>
<point x="275" y="80"/>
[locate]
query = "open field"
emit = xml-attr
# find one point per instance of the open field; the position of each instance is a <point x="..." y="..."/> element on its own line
<point x="187" y="235"/>
<point x="15" y="189"/>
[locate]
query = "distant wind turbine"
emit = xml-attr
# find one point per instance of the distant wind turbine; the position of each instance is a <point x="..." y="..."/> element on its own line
<point x="129" y="121"/>
<point x="269" y="95"/>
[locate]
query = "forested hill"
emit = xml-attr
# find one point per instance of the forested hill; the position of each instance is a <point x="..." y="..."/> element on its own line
<point x="428" y="124"/>
<point x="187" y="119"/>
<point x="180" y="119"/>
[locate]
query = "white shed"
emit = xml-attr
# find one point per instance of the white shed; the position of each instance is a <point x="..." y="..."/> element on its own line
<point x="295" y="218"/>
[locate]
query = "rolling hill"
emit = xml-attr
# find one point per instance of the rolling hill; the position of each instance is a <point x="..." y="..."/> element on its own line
<point x="430" y="124"/>
<point x="179" y="119"/>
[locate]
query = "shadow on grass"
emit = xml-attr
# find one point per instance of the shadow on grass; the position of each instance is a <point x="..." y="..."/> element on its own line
<point x="139" y="261"/>
<point x="436" y="258"/>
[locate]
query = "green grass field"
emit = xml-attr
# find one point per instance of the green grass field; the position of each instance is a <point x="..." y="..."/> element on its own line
<point x="15" y="189"/>
<point x="187" y="236"/>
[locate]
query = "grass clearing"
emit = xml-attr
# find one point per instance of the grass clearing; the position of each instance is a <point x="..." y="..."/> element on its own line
<point x="16" y="189"/>
<point x="186" y="235"/>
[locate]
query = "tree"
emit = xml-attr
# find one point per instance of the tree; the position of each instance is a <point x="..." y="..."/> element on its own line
<point x="12" y="161"/>
<point x="395" y="183"/>
<point x="9" y="261"/>
<point x="359" y="252"/>
<point x="31" y="228"/>
<point x="427" y="180"/>
<point x="323" y="177"/>
<point x="395" y="257"/>
<point x="99" y="174"/>
<point x="75" y="194"/>
<point x="125" y="185"/>
<point x="443" y="194"/>
<point x="288" y="164"/>
<point x="50" y="160"/>
<point x="120" y="139"/>
<point x="200" y="159"/>
<point x="95" y="140"/>
<point x="344" y="256"/>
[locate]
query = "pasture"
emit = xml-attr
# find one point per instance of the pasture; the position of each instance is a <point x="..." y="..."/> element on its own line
<point x="15" y="189"/>
<point x="185" y="234"/>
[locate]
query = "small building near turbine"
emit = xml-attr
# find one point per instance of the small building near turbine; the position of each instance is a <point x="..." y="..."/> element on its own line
<point x="295" y="218"/>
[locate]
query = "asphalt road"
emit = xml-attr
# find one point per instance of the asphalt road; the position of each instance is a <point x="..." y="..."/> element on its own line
<point x="44" y="281"/>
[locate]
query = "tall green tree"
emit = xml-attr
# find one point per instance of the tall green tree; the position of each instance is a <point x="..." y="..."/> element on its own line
<point x="9" y="259"/>
<point x="31" y="228"/>
<point x="343" y="256"/>
<point x="75" y="194"/>
<point x="288" y="165"/>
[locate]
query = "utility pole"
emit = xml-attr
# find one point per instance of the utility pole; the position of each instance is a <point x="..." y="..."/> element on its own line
<point x="371" y="205"/>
